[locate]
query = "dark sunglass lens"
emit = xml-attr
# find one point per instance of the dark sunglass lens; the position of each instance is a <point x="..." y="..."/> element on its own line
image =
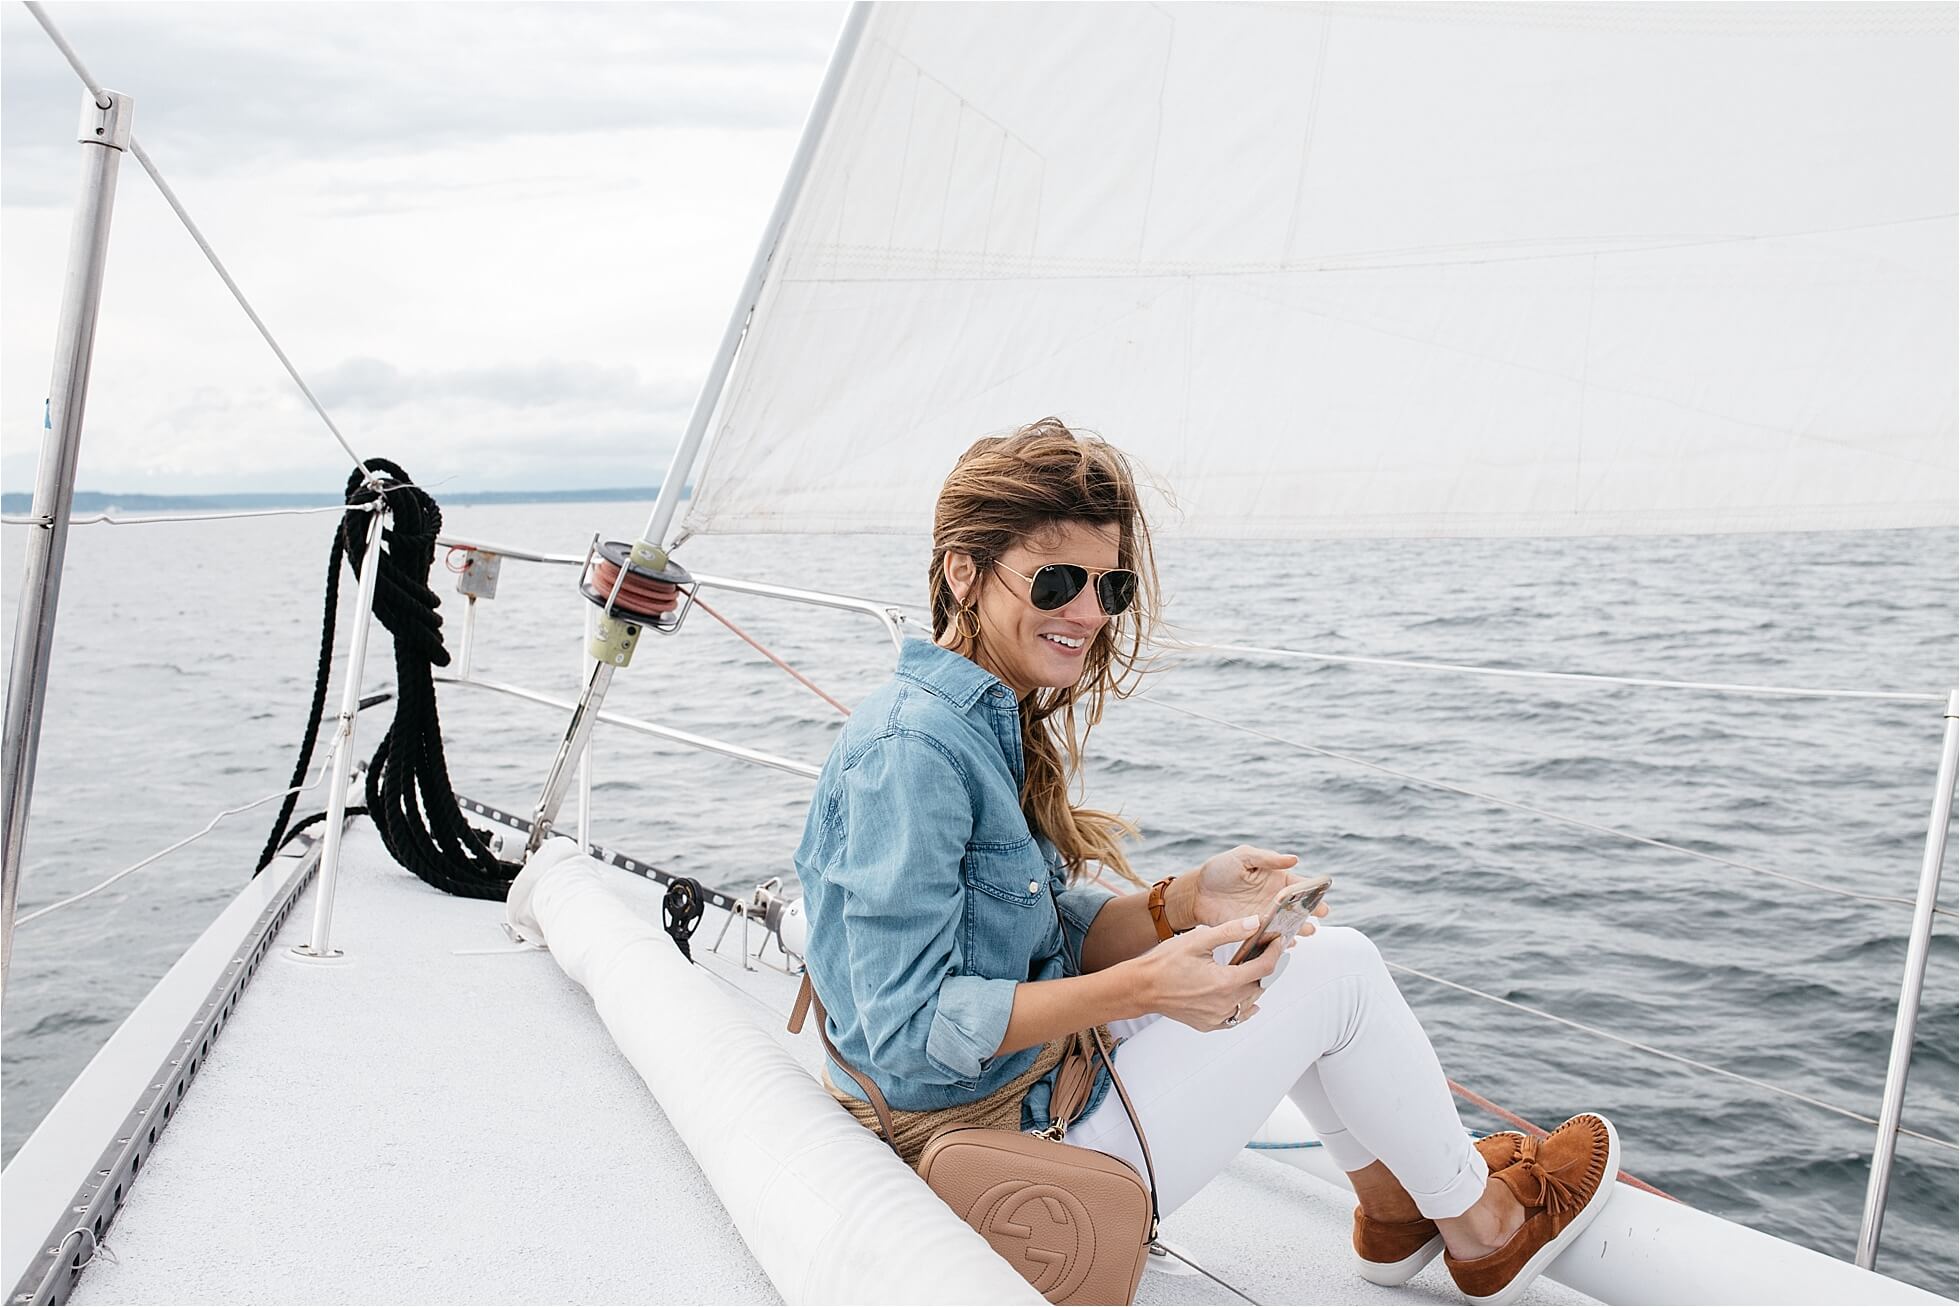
<point x="1054" y="585"/>
<point x="1116" y="591"/>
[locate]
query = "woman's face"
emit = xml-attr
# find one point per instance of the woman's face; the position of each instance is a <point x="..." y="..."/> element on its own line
<point x="1022" y="645"/>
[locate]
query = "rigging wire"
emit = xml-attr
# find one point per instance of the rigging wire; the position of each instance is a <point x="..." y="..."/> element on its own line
<point x="1588" y="677"/>
<point x="1671" y="1057"/>
<point x="103" y="101"/>
<point x="217" y="264"/>
<point x="102" y="97"/>
<point x="766" y="652"/>
<point x="1549" y="815"/>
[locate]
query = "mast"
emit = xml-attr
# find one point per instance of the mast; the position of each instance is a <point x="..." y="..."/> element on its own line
<point x="104" y="136"/>
<point x="652" y="550"/>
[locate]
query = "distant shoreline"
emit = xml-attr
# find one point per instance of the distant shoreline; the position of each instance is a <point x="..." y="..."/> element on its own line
<point x="97" y="501"/>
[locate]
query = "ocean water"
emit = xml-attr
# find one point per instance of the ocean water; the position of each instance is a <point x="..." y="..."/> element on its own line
<point x="186" y="653"/>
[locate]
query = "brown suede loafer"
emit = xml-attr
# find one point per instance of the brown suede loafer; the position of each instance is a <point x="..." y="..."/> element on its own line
<point x="1394" y="1252"/>
<point x="1563" y="1181"/>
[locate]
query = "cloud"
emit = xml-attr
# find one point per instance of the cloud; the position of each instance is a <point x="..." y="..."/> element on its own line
<point x="369" y="385"/>
<point x="499" y="241"/>
<point x="230" y="86"/>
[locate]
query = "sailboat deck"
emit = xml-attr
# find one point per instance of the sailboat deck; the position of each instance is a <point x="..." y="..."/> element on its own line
<point x="441" y="1117"/>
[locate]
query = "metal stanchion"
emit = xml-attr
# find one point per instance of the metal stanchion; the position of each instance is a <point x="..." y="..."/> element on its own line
<point x="1917" y="946"/>
<point x="319" y="945"/>
<point x="104" y="136"/>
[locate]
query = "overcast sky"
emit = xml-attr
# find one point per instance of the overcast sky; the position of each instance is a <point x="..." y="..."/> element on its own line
<point x="499" y="240"/>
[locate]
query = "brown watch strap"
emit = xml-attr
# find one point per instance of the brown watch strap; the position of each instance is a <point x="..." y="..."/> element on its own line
<point x="1158" y="917"/>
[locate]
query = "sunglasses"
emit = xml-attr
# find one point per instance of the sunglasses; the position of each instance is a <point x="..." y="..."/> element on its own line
<point x="1053" y="585"/>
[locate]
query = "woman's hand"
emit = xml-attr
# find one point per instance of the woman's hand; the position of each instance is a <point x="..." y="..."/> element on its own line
<point x="1180" y="979"/>
<point x="1244" y="880"/>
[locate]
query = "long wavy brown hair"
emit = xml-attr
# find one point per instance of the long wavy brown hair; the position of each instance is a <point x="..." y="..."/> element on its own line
<point x="1007" y="489"/>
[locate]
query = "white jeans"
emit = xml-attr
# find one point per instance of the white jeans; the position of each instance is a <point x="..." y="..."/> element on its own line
<point x="1332" y="1033"/>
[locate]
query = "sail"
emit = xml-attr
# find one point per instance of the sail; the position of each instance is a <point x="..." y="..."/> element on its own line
<point x="1374" y="269"/>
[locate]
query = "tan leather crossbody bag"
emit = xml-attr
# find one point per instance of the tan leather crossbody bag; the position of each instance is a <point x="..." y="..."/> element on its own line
<point x="1075" y="1222"/>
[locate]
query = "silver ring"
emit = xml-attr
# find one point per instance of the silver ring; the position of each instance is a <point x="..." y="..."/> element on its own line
<point x="1233" y="1020"/>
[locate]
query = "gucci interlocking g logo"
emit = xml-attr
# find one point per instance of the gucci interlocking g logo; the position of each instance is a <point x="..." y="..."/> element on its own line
<point x="1042" y="1229"/>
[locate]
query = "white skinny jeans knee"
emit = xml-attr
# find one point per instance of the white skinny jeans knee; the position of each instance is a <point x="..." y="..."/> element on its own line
<point x="1332" y="1033"/>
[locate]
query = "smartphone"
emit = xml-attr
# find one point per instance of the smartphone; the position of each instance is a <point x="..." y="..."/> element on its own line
<point x="1288" y="913"/>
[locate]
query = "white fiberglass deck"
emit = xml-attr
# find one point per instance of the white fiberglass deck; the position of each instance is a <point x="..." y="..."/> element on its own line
<point x="440" y="1118"/>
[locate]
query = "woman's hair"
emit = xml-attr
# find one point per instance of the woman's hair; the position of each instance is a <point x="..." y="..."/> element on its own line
<point x="1007" y="489"/>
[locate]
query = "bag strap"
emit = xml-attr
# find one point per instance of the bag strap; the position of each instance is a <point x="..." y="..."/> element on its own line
<point x="1090" y="1040"/>
<point x="1149" y="1168"/>
<point x="806" y="998"/>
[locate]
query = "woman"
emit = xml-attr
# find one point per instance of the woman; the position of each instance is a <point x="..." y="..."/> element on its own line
<point x="957" y="939"/>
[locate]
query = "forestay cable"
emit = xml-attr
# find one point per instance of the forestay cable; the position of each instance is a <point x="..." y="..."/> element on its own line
<point x="183" y="216"/>
<point x="1580" y="822"/>
<point x="1671" y="1057"/>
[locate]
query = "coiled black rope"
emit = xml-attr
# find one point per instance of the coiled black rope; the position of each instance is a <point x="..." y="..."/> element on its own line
<point x="680" y="912"/>
<point x="408" y="794"/>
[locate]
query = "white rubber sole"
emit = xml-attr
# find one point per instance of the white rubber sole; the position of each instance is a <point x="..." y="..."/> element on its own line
<point x="1513" y="1291"/>
<point x="1391" y="1274"/>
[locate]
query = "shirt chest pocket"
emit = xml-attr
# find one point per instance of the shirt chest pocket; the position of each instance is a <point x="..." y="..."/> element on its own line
<point x="1010" y="916"/>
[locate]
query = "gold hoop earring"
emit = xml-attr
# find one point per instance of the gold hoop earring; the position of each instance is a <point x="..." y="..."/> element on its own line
<point x="966" y="621"/>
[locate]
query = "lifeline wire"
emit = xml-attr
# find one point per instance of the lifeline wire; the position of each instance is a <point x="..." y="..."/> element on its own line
<point x="103" y="101"/>
<point x="1673" y="1057"/>
<point x="110" y="519"/>
<point x="210" y="826"/>
<point x="1587" y="677"/>
<point x="1539" y="812"/>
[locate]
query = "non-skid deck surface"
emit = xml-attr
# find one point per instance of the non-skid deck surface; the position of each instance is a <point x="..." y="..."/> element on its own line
<point x="440" y="1119"/>
<point x="417" y="1124"/>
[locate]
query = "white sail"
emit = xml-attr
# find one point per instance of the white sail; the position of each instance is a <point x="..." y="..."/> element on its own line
<point x="1335" y="269"/>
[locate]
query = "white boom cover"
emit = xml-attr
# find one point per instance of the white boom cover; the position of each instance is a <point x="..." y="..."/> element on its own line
<point x="1395" y="269"/>
<point x="829" y="1211"/>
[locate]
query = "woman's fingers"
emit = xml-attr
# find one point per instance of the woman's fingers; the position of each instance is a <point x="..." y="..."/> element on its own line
<point x="1207" y="938"/>
<point x="1261" y="965"/>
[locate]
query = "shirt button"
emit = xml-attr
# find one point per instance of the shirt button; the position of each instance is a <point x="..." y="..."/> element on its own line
<point x="1034" y="887"/>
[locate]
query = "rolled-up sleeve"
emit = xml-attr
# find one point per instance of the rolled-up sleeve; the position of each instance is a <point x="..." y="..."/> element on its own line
<point x="1079" y="905"/>
<point x="908" y="819"/>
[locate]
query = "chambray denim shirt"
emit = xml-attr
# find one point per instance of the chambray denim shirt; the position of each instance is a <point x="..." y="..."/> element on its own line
<point x="928" y="897"/>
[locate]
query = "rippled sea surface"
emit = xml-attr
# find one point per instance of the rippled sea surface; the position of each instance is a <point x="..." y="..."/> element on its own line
<point x="186" y="653"/>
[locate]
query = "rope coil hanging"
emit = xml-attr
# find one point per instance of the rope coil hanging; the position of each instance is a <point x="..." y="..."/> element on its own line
<point x="408" y="794"/>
